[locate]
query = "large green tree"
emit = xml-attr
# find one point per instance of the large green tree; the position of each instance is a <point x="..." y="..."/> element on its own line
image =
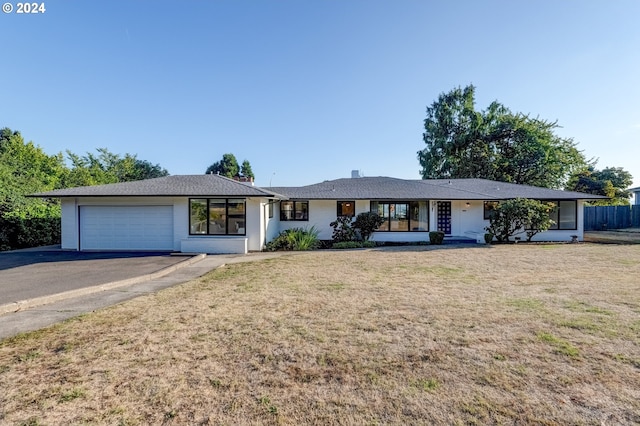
<point x="26" y="169"/>
<point x="228" y="167"/>
<point x="497" y="144"/>
<point x="107" y="167"/>
<point x="612" y="182"/>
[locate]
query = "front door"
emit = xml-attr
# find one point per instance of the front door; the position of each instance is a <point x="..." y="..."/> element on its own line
<point x="444" y="217"/>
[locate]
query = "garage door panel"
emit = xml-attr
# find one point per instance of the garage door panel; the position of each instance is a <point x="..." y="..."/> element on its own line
<point x="126" y="228"/>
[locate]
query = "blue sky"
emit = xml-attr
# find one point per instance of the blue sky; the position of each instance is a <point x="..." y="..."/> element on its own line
<point x="309" y="90"/>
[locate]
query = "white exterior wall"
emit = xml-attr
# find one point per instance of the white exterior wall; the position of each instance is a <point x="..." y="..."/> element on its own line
<point x="182" y="241"/>
<point x="69" y="224"/>
<point x="273" y="224"/>
<point x="321" y="214"/>
<point x="466" y="221"/>
<point x="254" y="224"/>
<point x="558" y="234"/>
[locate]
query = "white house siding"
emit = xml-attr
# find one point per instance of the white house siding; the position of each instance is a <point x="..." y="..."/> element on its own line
<point x="69" y="224"/>
<point x="273" y="223"/>
<point x="559" y="234"/>
<point x="254" y="223"/>
<point x="182" y="241"/>
<point x="321" y="214"/>
<point x="466" y="221"/>
<point x="226" y="244"/>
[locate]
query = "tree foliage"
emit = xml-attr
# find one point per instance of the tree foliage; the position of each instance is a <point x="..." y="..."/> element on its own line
<point x="26" y="169"/>
<point x="366" y="223"/>
<point x="496" y="144"/>
<point x="519" y="215"/>
<point x="107" y="167"/>
<point x="610" y="182"/>
<point x="228" y="167"/>
<point x="343" y="230"/>
<point x="246" y="170"/>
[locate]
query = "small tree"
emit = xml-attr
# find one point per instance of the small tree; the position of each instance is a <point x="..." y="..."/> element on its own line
<point x="519" y="215"/>
<point x="227" y="167"/>
<point x="246" y="171"/>
<point x="366" y="223"/>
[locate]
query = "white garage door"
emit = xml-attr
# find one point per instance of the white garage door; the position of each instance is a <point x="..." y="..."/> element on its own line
<point x="126" y="228"/>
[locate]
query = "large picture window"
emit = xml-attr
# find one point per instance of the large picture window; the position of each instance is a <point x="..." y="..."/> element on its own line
<point x="294" y="210"/>
<point x="564" y="215"/>
<point x="217" y="216"/>
<point x="402" y="216"/>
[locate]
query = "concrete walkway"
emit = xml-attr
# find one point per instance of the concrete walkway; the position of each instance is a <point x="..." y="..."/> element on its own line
<point x="33" y="314"/>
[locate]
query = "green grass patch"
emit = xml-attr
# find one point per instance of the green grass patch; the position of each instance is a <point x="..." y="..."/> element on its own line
<point x="74" y="393"/>
<point x="561" y="346"/>
<point x="527" y="304"/>
<point x="427" y="385"/>
<point x="585" y="307"/>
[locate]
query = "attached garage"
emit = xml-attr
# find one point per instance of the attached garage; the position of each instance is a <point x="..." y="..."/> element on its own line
<point x="126" y="227"/>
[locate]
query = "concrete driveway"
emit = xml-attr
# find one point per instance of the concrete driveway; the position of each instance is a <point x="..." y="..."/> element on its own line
<point x="36" y="273"/>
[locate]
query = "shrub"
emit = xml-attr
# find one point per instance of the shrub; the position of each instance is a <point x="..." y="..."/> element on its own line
<point x="296" y="239"/>
<point x="20" y="232"/>
<point x="436" y="237"/>
<point x="488" y="237"/>
<point x="512" y="217"/>
<point x="342" y="229"/>
<point x="354" y="244"/>
<point x="366" y="223"/>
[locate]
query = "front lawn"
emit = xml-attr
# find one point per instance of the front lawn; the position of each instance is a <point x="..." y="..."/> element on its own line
<point x="526" y="334"/>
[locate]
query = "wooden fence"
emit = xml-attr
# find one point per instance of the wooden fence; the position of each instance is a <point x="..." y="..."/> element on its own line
<point x="599" y="218"/>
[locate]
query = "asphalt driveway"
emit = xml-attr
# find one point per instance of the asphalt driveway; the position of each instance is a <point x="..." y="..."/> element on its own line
<point x="30" y="274"/>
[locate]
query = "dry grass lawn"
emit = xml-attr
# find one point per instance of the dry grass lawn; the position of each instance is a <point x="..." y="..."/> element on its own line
<point x="526" y="334"/>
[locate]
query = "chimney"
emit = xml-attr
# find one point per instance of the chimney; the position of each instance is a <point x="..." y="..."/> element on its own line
<point x="244" y="179"/>
<point x="355" y="174"/>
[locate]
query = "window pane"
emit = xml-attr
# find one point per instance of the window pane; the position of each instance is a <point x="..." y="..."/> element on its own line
<point x="198" y="217"/>
<point x="236" y="207"/>
<point x="553" y="214"/>
<point x="271" y="209"/>
<point x="286" y="210"/>
<point x="567" y="217"/>
<point x="488" y="208"/>
<point x="399" y="217"/>
<point x="383" y="212"/>
<point x="419" y="216"/>
<point x="217" y="217"/>
<point x="346" y="208"/>
<point x="302" y="210"/>
<point x="236" y="225"/>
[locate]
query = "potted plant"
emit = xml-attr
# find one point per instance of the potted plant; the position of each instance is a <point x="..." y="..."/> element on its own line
<point x="436" y="237"/>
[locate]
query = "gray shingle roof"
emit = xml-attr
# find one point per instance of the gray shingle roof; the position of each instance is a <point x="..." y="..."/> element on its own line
<point x="386" y="188"/>
<point x="183" y="185"/>
<point x="365" y="188"/>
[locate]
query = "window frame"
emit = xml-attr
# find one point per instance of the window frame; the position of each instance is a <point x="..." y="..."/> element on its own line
<point x="487" y="211"/>
<point x="557" y="212"/>
<point x="409" y="205"/>
<point x="339" y="210"/>
<point x="227" y="216"/>
<point x="295" y="210"/>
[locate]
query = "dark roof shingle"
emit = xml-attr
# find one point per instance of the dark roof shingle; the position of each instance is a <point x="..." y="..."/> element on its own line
<point x="386" y="188"/>
<point x="179" y="185"/>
